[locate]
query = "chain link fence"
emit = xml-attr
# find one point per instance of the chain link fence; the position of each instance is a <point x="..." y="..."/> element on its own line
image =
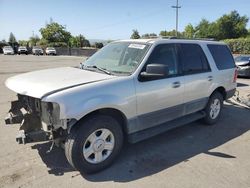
<point x="75" y="51"/>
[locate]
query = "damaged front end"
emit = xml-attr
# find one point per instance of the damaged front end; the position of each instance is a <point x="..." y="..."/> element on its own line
<point x="39" y="121"/>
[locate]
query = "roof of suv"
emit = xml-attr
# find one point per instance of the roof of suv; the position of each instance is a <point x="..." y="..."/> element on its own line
<point x="160" y="40"/>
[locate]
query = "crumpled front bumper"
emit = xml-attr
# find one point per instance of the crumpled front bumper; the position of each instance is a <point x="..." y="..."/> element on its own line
<point x="30" y="124"/>
<point x="15" y="114"/>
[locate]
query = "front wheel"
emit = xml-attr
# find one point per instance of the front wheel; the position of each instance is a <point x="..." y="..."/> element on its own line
<point x="213" y="108"/>
<point x="94" y="144"/>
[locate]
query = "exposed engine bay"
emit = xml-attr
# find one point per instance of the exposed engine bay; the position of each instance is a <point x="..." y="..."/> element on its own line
<point x="39" y="121"/>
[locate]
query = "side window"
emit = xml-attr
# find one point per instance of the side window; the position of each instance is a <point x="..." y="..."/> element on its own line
<point x="222" y="56"/>
<point x="193" y="59"/>
<point x="165" y="54"/>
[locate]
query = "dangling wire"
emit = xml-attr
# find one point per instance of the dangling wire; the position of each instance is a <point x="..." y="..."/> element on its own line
<point x="241" y="101"/>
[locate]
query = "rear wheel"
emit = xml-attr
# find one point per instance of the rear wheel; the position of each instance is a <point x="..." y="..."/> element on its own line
<point x="213" y="108"/>
<point x="94" y="144"/>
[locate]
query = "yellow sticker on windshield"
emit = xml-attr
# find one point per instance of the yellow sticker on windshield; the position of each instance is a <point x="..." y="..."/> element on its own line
<point x="138" y="46"/>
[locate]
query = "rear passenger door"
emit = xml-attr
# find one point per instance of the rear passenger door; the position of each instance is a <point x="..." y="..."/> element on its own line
<point x="197" y="77"/>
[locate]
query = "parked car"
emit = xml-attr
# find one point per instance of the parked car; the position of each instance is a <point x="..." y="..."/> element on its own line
<point x="130" y="89"/>
<point x="8" y="50"/>
<point x="50" y="51"/>
<point x="22" y="50"/>
<point x="36" y="50"/>
<point x="243" y="65"/>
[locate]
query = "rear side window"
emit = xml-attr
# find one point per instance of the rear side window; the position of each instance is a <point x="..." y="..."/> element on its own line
<point x="193" y="59"/>
<point x="222" y="56"/>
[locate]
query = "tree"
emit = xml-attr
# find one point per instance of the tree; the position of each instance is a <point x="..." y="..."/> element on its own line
<point x="205" y="29"/>
<point x="12" y="40"/>
<point x="55" y="34"/>
<point x="170" y="33"/>
<point x="34" y="40"/>
<point x="149" y="35"/>
<point x="43" y="43"/>
<point x="2" y="44"/>
<point x="189" y="31"/>
<point x="231" y="25"/>
<point x="135" y="34"/>
<point x="79" y="41"/>
<point x="228" y="26"/>
<point x="23" y="43"/>
<point x="73" y="42"/>
<point x="98" y="45"/>
<point x="85" y="43"/>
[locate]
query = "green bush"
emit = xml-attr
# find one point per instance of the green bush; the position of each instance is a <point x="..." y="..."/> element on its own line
<point x="239" y="46"/>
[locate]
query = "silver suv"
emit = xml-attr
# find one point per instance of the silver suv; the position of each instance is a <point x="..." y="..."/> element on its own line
<point x="129" y="90"/>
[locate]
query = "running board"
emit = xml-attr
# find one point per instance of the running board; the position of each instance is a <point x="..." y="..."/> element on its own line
<point x="142" y="135"/>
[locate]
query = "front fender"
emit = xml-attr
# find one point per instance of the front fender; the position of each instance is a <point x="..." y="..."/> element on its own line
<point x="78" y="101"/>
<point x="83" y="108"/>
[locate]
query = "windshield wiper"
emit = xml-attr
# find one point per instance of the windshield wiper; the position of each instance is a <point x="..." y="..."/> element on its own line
<point x="99" y="68"/>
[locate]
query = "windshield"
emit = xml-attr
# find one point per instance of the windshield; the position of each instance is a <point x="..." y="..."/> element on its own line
<point x="242" y="58"/>
<point x="50" y="48"/>
<point x="119" y="57"/>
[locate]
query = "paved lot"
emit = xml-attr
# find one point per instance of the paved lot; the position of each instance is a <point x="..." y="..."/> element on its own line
<point x="190" y="156"/>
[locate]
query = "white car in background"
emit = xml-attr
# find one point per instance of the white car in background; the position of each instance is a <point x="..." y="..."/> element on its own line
<point x="8" y="50"/>
<point x="36" y="50"/>
<point x="22" y="50"/>
<point x="50" y="51"/>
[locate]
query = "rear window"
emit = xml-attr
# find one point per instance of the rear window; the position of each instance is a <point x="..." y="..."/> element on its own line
<point x="222" y="56"/>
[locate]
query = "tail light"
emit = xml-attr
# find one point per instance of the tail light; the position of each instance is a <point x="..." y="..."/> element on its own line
<point x="235" y="76"/>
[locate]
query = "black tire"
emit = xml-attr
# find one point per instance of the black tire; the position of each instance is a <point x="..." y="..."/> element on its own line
<point x="208" y="119"/>
<point x="75" y="143"/>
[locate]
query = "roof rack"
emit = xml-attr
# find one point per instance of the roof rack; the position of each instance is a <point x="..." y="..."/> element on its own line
<point x="205" y="39"/>
<point x="177" y="38"/>
<point x="174" y="37"/>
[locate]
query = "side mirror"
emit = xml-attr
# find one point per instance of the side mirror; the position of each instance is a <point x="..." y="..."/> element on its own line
<point x="155" y="71"/>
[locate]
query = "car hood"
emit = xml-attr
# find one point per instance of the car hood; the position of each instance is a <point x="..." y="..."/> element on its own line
<point x="44" y="82"/>
<point x="241" y="63"/>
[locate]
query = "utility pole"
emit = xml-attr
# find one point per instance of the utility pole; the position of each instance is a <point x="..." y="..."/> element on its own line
<point x="177" y="14"/>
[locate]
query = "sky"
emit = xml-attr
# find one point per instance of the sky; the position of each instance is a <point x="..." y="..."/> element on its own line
<point x="109" y="19"/>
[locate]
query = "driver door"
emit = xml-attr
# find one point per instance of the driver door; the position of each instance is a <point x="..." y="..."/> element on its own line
<point x="160" y="100"/>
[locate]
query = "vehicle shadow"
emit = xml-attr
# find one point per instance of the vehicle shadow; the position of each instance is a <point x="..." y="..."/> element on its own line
<point x="161" y="152"/>
<point x="239" y="84"/>
<point x="55" y="160"/>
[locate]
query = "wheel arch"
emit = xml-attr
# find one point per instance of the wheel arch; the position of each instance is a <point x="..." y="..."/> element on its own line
<point x="115" y="113"/>
<point x="222" y="91"/>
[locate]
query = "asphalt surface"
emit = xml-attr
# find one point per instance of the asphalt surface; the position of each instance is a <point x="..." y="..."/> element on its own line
<point x="191" y="156"/>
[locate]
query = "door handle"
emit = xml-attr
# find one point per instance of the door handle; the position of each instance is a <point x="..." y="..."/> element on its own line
<point x="176" y="84"/>
<point x="210" y="78"/>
